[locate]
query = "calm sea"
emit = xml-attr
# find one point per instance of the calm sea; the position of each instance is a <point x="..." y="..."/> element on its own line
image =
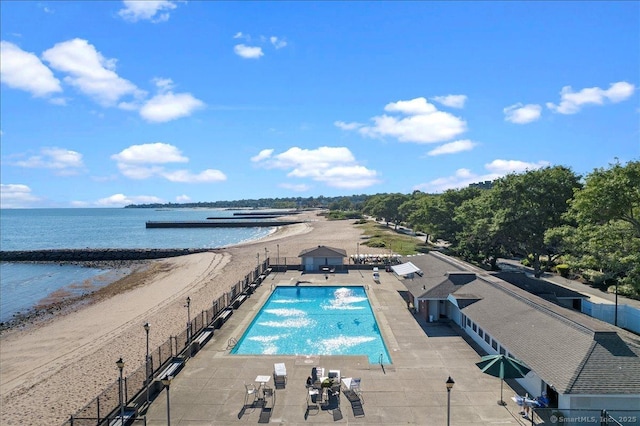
<point x="23" y="285"/>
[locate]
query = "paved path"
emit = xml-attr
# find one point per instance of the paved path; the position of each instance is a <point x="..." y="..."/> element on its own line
<point x="210" y="389"/>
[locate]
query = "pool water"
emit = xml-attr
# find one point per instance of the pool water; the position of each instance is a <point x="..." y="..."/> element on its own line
<point x="315" y="321"/>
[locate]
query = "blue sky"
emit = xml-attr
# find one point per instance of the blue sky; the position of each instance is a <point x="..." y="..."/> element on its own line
<point x="110" y="103"/>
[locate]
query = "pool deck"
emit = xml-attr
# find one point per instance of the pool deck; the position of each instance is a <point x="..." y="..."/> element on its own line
<point x="210" y="388"/>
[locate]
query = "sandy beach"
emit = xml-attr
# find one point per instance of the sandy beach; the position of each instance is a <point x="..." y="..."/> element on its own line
<point x="54" y="367"/>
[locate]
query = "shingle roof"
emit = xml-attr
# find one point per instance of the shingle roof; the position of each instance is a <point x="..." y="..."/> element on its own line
<point x="538" y="287"/>
<point x="323" y="251"/>
<point x="573" y="352"/>
<point x="452" y="283"/>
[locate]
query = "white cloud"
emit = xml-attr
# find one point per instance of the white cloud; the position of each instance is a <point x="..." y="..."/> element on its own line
<point x="184" y="176"/>
<point x="63" y="161"/>
<point x="170" y="106"/>
<point x="89" y="71"/>
<point x="415" y="106"/>
<point x="453" y="147"/>
<point x="277" y="42"/>
<point x="504" y="167"/>
<point x="464" y="177"/>
<point x="262" y="155"/>
<point x="151" y="10"/>
<point x="347" y="126"/>
<point x="23" y="70"/>
<point x="150" y="153"/>
<point x="248" y="52"/>
<point x="422" y="123"/>
<point x="149" y="160"/>
<point x="238" y="35"/>
<point x="334" y="166"/>
<point x="522" y="114"/>
<point x="453" y="101"/>
<point x="121" y="200"/>
<point x="295" y="187"/>
<point x="571" y="102"/>
<point x="13" y="196"/>
<point x="183" y="198"/>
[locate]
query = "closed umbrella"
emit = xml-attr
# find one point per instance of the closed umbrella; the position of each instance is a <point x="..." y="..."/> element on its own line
<point x="503" y="367"/>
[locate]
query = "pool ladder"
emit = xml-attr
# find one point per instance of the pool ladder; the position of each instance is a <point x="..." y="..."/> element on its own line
<point x="233" y="342"/>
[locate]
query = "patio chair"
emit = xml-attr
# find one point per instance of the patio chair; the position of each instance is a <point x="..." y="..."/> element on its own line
<point x="334" y="375"/>
<point x="250" y="392"/>
<point x="279" y="375"/>
<point x="269" y="393"/>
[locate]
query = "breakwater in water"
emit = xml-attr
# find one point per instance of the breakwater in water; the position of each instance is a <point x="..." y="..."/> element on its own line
<point x="220" y="224"/>
<point x="93" y="255"/>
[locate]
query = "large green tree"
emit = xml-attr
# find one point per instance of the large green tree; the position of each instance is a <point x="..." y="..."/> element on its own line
<point x="526" y="205"/>
<point x="605" y="236"/>
<point x="610" y="194"/>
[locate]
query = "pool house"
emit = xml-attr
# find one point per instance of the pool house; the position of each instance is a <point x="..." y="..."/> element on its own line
<point x="581" y="362"/>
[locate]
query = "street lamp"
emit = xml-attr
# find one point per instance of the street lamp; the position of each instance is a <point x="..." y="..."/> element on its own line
<point x="167" y="382"/>
<point x="188" y="305"/>
<point x="449" y="384"/>
<point x="120" y="364"/>
<point x="146" y="377"/>
<point x="258" y="257"/>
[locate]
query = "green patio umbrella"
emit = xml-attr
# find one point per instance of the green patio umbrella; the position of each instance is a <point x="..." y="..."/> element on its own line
<point x="503" y="367"/>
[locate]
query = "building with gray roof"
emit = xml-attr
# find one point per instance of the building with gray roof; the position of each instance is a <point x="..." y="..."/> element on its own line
<point x="581" y="362"/>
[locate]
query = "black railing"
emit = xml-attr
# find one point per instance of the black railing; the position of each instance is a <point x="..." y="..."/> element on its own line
<point x="105" y="408"/>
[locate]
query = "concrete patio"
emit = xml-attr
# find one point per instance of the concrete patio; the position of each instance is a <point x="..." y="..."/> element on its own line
<point x="210" y="388"/>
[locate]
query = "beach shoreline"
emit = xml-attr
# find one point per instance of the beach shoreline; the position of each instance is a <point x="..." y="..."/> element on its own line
<point x="53" y="367"/>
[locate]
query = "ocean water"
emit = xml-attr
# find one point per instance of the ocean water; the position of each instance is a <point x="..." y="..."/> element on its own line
<point x="23" y="285"/>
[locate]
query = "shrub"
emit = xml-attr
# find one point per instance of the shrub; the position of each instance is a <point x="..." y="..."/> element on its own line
<point x="595" y="277"/>
<point x="375" y="242"/>
<point x="563" y="269"/>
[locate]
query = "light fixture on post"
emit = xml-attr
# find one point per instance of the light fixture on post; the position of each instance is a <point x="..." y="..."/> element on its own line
<point x="146" y="368"/>
<point x="449" y="384"/>
<point x="188" y="305"/>
<point x="120" y="364"/>
<point x="167" y="382"/>
<point x="278" y="253"/>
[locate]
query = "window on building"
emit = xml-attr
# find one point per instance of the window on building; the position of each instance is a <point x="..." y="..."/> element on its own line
<point x="475" y="328"/>
<point x="494" y="345"/>
<point x="487" y="338"/>
<point x="480" y="332"/>
<point x="502" y="351"/>
<point x="468" y="322"/>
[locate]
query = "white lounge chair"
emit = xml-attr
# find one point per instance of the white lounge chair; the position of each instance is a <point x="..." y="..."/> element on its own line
<point x="250" y="392"/>
<point x="279" y="375"/>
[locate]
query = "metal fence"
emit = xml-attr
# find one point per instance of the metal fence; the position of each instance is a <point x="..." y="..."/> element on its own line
<point x="553" y="416"/>
<point x="106" y="407"/>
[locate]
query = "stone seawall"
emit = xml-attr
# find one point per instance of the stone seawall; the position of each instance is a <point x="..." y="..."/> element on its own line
<point x="92" y="255"/>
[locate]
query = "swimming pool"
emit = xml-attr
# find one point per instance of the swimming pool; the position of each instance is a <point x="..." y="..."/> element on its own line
<point x="315" y="321"/>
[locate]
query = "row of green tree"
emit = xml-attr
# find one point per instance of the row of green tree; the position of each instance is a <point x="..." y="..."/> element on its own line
<point x="550" y="215"/>
<point x="340" y="203"/>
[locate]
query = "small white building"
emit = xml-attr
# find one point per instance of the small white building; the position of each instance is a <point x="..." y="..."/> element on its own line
<point x="322" y="259"/>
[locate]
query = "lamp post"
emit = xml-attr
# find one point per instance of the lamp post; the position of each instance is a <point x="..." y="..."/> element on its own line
<point x="120" y="364"/>
<point x="278" y="253"/>
<point x="615" y="321"/>
<point x="449" y="384"/>
<point x="167" y="382"/>
<point x="146" y="377"/>
<point x="258" y="257"/>
<point x="188" y="305"/>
